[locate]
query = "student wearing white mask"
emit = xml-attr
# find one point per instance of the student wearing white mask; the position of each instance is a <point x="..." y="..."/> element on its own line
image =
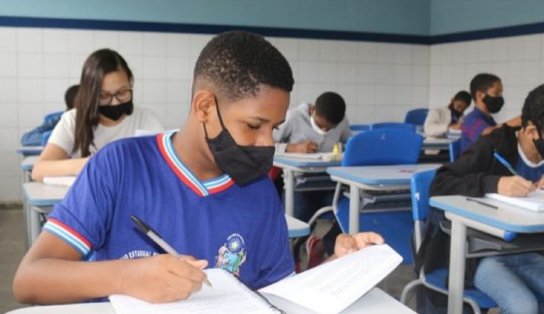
<point x="312" y="128"/>
<point x="315" y="127"/>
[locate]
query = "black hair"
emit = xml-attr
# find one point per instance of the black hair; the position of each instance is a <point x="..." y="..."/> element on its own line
<point x="331" y="107"/>
<point x="70" y="96"/>
<point x="533" y="109"/>
<point x="482" y="82"/>
<point x="463" y="96"/>
<point x="237" y="62"/>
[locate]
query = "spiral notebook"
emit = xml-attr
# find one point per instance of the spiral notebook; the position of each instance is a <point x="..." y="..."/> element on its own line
<point x="329" y="288"/>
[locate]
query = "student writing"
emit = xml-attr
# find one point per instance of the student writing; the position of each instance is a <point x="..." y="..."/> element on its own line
<point x="516" y="281"/>
<point x="204" y="189"/>
<point x="104" y="112"/>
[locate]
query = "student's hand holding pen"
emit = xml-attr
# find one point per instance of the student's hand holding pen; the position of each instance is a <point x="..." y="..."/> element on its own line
<point x="163" y="278"/>
<point x="515" y="186"/>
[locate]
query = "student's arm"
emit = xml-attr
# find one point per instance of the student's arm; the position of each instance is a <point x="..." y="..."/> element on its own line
<point x="468" y="175"/>
<point x="54" y="161"/>
<point x="346" y="244"/>
<point x="514" y="122"/>
<point x="433" y="125"/>
<point x="52" y="272"/>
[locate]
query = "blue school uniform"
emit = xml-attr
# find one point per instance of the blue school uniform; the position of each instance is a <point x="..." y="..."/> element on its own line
<point x="241" y="229"/>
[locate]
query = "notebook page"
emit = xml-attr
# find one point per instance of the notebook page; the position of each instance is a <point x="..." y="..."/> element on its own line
<point x="227" y="295"/>
<point x="60" y="180"/>
<point x="534" y="201"/>
<point x="333" y="286"/>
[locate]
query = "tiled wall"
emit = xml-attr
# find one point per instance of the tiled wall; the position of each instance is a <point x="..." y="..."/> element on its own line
<point x="379" y="81"/>
<point x="518" y="61"/>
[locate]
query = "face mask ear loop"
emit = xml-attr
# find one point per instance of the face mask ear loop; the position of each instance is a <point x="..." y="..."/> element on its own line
<point x="218" y="114"/>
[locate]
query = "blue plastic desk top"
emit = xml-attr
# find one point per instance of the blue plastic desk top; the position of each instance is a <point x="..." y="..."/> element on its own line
<point x="30" y="150"/>
<point x="304" y="163"/>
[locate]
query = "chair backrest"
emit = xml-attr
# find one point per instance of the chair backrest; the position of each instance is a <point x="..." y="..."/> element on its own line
<point x="455" y="150"/>
<point x="416" y="116"/>
<point x="394" y="125"/>
<point x="383" y="147"/>
<point x="419" y="187"/>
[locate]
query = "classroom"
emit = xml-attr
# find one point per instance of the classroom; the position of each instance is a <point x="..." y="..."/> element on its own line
<point x="380" y="59"/>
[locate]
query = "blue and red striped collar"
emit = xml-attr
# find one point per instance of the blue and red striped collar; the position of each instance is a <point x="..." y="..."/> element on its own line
<point x="212" y="186"/>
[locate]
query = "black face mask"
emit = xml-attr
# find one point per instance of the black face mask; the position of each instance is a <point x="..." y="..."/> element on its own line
<point x="243" y="164"/>
<point x="117" y="111"/>
<point x="493" y="104"/>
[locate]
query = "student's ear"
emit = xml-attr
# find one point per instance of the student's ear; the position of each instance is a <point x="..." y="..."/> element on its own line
<point x="202" y="105"/>
<point x="480" y="95"/>
<point x="531" y="131"/>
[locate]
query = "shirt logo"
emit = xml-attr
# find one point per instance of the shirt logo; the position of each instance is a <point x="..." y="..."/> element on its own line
<point x="232" y="254"/>
<point x="138" y="254"/>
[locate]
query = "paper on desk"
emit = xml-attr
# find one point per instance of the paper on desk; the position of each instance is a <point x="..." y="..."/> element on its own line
<point x="314" y="156"/>
<point x="228" y="295"/>
<point x="61" y="180"/>
<point x="534" y="201"/>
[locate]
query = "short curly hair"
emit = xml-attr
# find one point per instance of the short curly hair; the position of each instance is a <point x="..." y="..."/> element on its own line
<point x="237" y="62"/>
<point x="482" y="82"/>
<point x="533" y="108"/>
<point x="331" y="106"/>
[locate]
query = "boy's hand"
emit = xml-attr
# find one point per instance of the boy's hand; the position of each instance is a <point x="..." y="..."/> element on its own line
<point x="163" y="278"/>
<point x="515" y="186"/>
<point x="303" y="147"/>
<point x="346" y="244"/>
<point x="540" y="183"/>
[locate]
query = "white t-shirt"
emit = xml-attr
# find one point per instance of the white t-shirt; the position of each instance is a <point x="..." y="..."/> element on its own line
<point x="64" y="133"/>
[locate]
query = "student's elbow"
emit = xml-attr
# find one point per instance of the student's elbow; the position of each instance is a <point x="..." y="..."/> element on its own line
<point x="22" y="289"/>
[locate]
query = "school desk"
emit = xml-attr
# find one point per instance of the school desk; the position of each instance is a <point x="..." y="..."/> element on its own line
<point x="26" y="167"/>
<point x="436" y="143"/>
<point x="29" y="150"/>
<point x="294" y="165"/>
<point x="41" y="197"/>
<point x="376" y="178"/>
<point x="464" y="213"/>
<point x="374" y="302"/>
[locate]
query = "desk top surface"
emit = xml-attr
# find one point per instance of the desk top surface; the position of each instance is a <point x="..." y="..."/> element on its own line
<point x="303" y="163"/>
<point x="378" y="175"/>
<point x="374" y="302"/>
<point x="41" y="194"/>
<point x="30" y="150"/>
<point x="505" y="217"/>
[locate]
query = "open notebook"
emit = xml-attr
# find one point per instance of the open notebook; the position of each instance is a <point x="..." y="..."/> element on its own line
<point x="534" y="201"/>
<point x="329" y="288"/>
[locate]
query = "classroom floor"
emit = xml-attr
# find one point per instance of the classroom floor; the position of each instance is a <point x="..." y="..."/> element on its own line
<point x="12" y="245"/>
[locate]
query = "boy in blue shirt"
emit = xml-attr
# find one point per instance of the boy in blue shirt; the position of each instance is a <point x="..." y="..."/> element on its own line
<point x="486" y="90"/>
<point x="204" y="189"/>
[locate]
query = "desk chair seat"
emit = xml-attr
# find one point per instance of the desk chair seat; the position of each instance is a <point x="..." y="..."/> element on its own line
<point x="435" y="280"/>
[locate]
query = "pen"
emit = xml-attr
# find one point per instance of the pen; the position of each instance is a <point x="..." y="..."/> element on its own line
<point x="505" y="163"/>
<point x="153" y="235"/>
<point x="481" y="203"/>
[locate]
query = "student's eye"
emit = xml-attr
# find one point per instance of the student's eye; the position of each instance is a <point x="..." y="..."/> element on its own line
<point x="253" y="126"/>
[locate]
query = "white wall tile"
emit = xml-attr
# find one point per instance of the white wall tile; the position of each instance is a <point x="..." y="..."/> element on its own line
<point x="309" y="71"/>
<point x="328" y="50"/>
<point x="385" y="53"/>
<point x="403" y="53"/>
<point x="367" y="52"/>
<point x="56" y="41"/>
<point x="154" y="67"/>
<point x="29" y="40"/>
<point x="53" y="93"/>
<point x="30" y="64"/>
<point x="8" y="91"/>
<point x="30" y="116"/>
<point x="154" y="44"/>
<point x="10" y="165"/>
<point x="56" y="65"/>
<point x="531" y="47"/>
<point x="130" y="43"/>
<point x="10" y="188"/>
<point x="8" y="39"/>
<point x="30" y="90"/>
<point x="177" y="45"/>
<point x="348" y="51"/>
<point x="327" y="72"/>
<point x="153" y="91"/>
<point x="8" y="64"/>
<point x="81" y="42"/>
<point x="105" y="39"/>
<point x="10" y="115"/>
